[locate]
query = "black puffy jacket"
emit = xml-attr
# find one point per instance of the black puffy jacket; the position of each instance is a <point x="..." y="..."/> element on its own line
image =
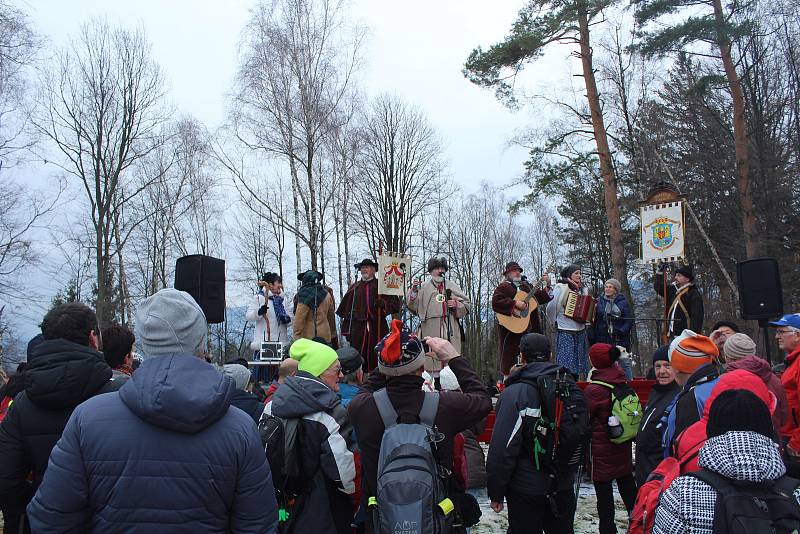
<point x="508" y="464"/>
<point x="649" y="446"/>
<point x="60" y="375"/>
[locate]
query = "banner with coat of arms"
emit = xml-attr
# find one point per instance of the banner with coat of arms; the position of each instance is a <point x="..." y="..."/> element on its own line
<point x="662" y="232"/>
<point x="392" y="272"/>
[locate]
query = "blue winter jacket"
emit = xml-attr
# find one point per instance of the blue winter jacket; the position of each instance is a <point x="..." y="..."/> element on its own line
<point x="621" y="325"/>
<point x="165" y="454"/>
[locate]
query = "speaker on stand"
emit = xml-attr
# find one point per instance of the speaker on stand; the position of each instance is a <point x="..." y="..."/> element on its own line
<point x="760" y="293"/>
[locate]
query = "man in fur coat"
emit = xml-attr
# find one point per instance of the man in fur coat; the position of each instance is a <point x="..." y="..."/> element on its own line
<point x="439" y="304"/>
<point x="503" y="303"/>
<point x="364" y="313"/>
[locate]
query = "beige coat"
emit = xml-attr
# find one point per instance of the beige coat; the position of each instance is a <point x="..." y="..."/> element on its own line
<point x="423" y="303"/>
<point x="304" y="321"/>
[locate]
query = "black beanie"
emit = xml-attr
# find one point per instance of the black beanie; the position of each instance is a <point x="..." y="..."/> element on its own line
<point x="739" y="410"/>
<point x="661" y="353"/>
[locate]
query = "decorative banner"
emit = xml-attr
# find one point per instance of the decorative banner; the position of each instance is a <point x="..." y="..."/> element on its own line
<point x="662" y="232"/>
<point x="392" y="272"/>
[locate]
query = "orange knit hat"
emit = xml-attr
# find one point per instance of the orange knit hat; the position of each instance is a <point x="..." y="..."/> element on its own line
<point x="690" y="351"/>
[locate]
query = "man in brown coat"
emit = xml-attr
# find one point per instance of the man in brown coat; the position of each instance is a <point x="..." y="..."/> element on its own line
<point x="364" y="313"/>
<point x="503" y="303"/>
<point x="402" y="378"/>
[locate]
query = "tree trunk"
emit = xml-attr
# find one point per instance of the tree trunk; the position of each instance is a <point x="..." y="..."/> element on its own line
<point x="617" y="243"/>
<point x="296" y="207"/>
<point x="749" y="220"/>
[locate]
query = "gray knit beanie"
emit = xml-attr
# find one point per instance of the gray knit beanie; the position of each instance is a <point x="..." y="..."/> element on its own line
<point x="738" y="346"/>
<point x="239" y="373"/>
<point x="170" y="322"/>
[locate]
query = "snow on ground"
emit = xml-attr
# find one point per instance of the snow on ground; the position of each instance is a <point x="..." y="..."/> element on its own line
<point x="585" y="516"/>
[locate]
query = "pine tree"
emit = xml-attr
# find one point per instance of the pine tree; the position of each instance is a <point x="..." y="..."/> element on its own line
<point x="539" y="24"/>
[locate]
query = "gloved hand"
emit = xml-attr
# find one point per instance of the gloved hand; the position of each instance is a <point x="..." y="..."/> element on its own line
<point x="263" y="309"/>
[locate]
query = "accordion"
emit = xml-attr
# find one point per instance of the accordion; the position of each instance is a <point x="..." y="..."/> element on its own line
<point x="271" y="352"/>
<point x="579" y="308"/>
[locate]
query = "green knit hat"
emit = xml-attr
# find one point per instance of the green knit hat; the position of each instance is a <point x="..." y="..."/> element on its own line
<point x="314" y="357"/>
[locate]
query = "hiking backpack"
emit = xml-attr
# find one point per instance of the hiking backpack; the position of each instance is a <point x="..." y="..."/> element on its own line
<point x="558" y="435"/>
<point x="280" y="438"/>
<point x="625" y="406"/>
<point x="753" y="508"/>
<point x="410" y="494"/>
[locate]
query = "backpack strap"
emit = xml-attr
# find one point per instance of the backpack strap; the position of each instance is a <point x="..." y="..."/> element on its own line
<point x="599" y="383"/>
<point x="385" y="408"/>
<point x="721" y="484"/>
<point x="430" y="405"/>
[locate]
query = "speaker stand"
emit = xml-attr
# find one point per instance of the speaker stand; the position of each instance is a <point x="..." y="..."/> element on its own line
<point x="764" y="325"/>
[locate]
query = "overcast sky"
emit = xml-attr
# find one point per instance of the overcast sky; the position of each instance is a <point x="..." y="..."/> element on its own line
<point x="415" y="49"/>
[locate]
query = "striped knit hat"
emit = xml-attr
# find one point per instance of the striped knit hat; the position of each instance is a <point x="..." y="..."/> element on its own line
<point x="690" y="351"/>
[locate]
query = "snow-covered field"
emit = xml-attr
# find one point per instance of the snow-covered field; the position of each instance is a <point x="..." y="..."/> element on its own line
<point x="585" y="516"/>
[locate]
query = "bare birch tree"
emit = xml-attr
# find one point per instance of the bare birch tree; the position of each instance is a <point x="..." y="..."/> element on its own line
<point x="296" y="70"/>
<point x="101" y="107"/>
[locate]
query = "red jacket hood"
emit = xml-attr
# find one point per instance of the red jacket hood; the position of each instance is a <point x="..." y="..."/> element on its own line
<point x="688" y="443"/>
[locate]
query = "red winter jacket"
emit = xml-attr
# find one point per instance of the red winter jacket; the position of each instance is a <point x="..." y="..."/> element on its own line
<point x="791" y="382"/>
<point x="690" y="441"/>
<point x="762" y="369"/>
<point x="609" y="460"/>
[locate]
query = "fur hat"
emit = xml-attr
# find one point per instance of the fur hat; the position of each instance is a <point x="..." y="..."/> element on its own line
<point x="400" y="352"/>
<point x="686" y="271"/>
<point x="690" y="351"/>
<point x="434" y="262"/>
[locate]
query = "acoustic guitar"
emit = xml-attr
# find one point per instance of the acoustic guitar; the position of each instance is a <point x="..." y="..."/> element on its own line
<point x="519" y="323"/>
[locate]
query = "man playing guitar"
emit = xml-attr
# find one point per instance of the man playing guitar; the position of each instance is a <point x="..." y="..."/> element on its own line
<point x="506" y="303"/>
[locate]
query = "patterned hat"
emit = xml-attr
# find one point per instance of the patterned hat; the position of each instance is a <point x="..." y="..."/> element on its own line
<point x="400" y="352"/>
<point x="512" y="266"/>
<point x="690" y="351"/>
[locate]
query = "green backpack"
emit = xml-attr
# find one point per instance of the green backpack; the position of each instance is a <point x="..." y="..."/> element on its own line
<point x="626" y="407"/>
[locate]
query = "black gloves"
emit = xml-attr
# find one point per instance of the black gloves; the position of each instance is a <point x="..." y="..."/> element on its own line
<point x="263" y="309"/>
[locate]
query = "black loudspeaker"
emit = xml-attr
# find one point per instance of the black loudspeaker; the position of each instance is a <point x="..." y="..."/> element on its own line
<point x="203" y="277"/>
<point x="760" y="290"/>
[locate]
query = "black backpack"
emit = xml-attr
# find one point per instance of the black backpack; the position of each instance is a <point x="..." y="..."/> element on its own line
<point x="556" y="438"/>
<point x="753" y="508"/>
<point x="281" y="440"/>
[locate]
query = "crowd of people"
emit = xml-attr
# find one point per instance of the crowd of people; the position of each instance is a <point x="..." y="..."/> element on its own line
<point x="120" y="431"/>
